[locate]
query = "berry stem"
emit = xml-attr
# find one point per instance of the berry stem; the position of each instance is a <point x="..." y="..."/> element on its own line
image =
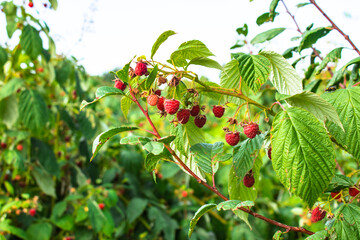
<point x="356" y="84"/>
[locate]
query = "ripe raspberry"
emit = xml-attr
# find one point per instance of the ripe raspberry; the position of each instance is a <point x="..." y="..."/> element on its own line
<point x="101" y="206"/>
<point x="45" y="5"/>
<point x="232" y="138"/>
<point x="31" y="4"/>
<point x="269" y="152"/>
<point x="317" y="214"/>
<point x="195" y="110"/>
<point x="40" y="69"/>
<point x="218" y="111"/>
<point x="335" y="195"/>
<point x="184" y="194"/>
<point x="160" y="104"/>
<point x="32" y="212"/>
<point x="19" y="147"/>
<point x="251" y="130"/>
<point x="120" y="85"/>
<point x="140" y="69"/>
<point x="200" y="121"/>
<point x="3" y="145"/>
<point x="249" y="180"/>
<point x="158" y="92"/>
<point x="171" y="106"/>
<point x="152" y="99"/>
<point x="183" y="116"/>
<point x="353" y="191"/>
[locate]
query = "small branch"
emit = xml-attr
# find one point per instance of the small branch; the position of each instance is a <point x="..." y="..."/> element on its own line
<point x="339" y="167"/>
<point x="356" y="84"/>
<point x="347" y="38"/>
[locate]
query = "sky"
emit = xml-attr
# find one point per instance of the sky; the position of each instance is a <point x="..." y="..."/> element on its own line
<point x="106" y="34"/>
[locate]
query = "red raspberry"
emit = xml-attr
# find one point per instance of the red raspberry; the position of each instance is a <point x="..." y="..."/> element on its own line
<point x="19" y="147"/>
<point x="184" y="194"/>
<point x="152" y="99"/>
<point x="183" y="116"/>
<point x="195" y="110"/>
<point x="317" y="214"/>
<point x="160" y="104"/>
<point x="101" y="206"/>
<point x="171" y="106"/>
<point x="140" y="69"/>
<point x="218" y="111"/>
<point x="269" y="152"/>
<point x="249" y="180"/>
<point x="200" y="121"/>
<point x="31" y="4"/>
<point x="251" y="130"/>
<point x="232" y="138"/>
<point x="3" y="145"/>
<point x="158" y="92"/>
<point x="335" y="195"/>
<point x="45" y="4"/>
<point x="353" y="191"/>
<point x="40" y="69"/>
<point x="120" y="85"/>
<point x="32" y="212"/>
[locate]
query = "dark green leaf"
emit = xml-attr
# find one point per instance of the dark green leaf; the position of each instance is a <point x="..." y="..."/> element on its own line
<point x="206" y="62"/>
<point x="44" y="181"/>
<point x="6" y="227"/>
<point x="310" y="37"/>
<point x="135" y="208"/>
<point x="289" y="52"/>
<point x="97" y="218"/>
<point x="151" y="78"/>
<point x="243" y="30"/>
<point x="267" y="35"/>
<point x="167" y="140"/>
<point x="332" y="56"/>
<point x="63" y="72"/>
<point x="162" y="38"/>
<point x="207" y="155"/>
<point x="101" y="93"/>
<point x="3" y="57"/>
<point x="339" y="182"/>
<point x="39" y="231"/>
<point x="152" y="160"/>
<point x="266" y="17"/>
<point x="42" y="153"/>
<point x="31" y="42"/>
<point x="199" y="213"/>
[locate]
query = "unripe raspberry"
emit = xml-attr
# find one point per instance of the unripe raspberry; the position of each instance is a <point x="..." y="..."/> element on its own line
<point x="140" y="69"/>
<point x="183" y="116"/>
<point x="171" y="106"/>
<point x="160" y="104"/>
<point x="195" y="110"/>
<point x="200" y="121"/>
<point x="251" y="130"/>
<point x="249" y="180"/>
<point x="317" y="214"/>
<point x="218" y="111"/>
<point x="353" y="191"/>
<point x="120" y="85"/>
<point x="232" y="138"/>
<point x="152" y="99"/>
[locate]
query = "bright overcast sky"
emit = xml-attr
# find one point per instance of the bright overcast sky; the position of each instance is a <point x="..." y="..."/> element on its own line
<point x="106" y="34"/>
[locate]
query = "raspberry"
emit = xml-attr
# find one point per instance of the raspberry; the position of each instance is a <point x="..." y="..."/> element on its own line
<point x="40" y="69"/>
<point x="200" y="121"/>
<point x="353" y="191"/>
<point x="218" y="111"/>
<point x="45" y="5"/>
<point x="3" y="145"/>
<point x="335" y="195"/>
<point x="317" y="214"/>
<point x="152" y="99"/>
<point x="19" y="147"/>
<point x="171" y="106"/>
<point x="158" y="92"/>
<point x="32" y="212"/>
<point x="232" y="138"/>
<point x="101" y="206"/>
<point x="251" y="130"/>
<point x="140" y="69"/>
<point x="195" y="110"/>
<point x="160" y="104"/>
<point x="269" y="152"/>
<point x="120" y="85"/>
<point x="249" y="180"/>
<point x="183" y="116"/>
<point x="184" y="194"/>
<point x="31" y="4"/>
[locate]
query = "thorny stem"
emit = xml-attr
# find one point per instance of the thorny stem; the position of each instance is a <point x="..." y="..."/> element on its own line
<point x="212" y="188"/>
<point x="347" y="38"/>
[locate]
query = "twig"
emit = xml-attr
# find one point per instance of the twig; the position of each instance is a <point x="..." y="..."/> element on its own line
<point x="339" y="167"/>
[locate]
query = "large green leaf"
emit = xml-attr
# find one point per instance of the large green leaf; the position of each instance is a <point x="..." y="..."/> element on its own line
<point x="206" y="62"/>
<point x="267" y="35"/>
<point x="9" y="112"/>
<point x="42" y="153"/>
<point x="283" y="76"/>
<point x="31" y="42"/>
<point x="33" y="111"/>
<point x="162" y="38"/>
<point x="230" y="76"/>
<point x="347" y="105"/>
<point x="135" y="208"/>
<point x="199" y="213"/>
<point x="101" y="93"/>
<point x="6" y="227"/>
<point x="44" y="181"/>
<point x="302" y="153"/>
<point x="332" y="56"/>
<point x="321" y="235"/>
<point x="11" y="87"/>
<point x="254" y="70"/>
<point x="39" y="231"/>
<point x="310" y="37"/>
<point x="188" y="51"/>
<point x="347" y="222"/>
<point x="97" y="218"/>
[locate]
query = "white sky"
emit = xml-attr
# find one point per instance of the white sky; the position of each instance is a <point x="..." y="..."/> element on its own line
<point x="113" y="31"/>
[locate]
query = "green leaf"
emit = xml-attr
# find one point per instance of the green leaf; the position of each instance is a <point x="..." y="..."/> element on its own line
<point x="42" y="153"/>
<point x="44" y="181"/>
<point x="11" y="87"/>
<point x="245" y="154"/>
<point x="199" y="213"/>
<point x="289" y="52"/>
<point x="206" y="62"/>
<point x="63" y="72"/>
<point x="188" y="51"/>
<point x="347" y="104"/>
<point x="167" y="140"/>
<point x="97" y="218"/>
<point x="101" y="93"/>
<point x="277" y="235"/>
<point x="134" y="140"/>
<point x="179" y="143"/>
<point x="135" y="208"/>
<point x="33" y="111"/>
<point x="123" y="74"/>
<point x="151" y="78"/>
<point x="299" y="5"/>
<point x="207" y="155"/>
<point x="316" y="105"/>
<point x="321" y="235"/>
<point x="347" y="222"/>
<point x="353" y="61"/>
<point x="6" y="227"/>
<point x="339" y="182"/>
<point x="243" y="30"/>
<point x="103" y="137"/>
<point x="283" y="76"/>
<point x="310" y="37"/>
<point x="148" y="144"/>
<point x="162" y="38"/>
<point x="230" y="76"/>
<point x="267" y="35"/>
<point x="332" y="56"/>
<point x="3" y="58"/>
<point x="39" y="231"/>
<point x="302" y="154"/>
<point x="54" y="4"/>
<point x="152" y="160"/>
<point x="273" y="5"/>
<point x="31" y="42"/>
<point x="266" y="17"/>
<point x="9" y="112"/>
<point x="234" y="205"/>
<point x="125" y="106"/>
<point x="81" y="215"/>
<point x="109" y="226"/>
<point x="254" y="70"/>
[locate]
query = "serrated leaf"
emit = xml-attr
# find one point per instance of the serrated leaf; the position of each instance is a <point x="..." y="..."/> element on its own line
<point x="244" y="154"/>
<point x="151" y="78"/>
<point x="206" y="62"/>
<point x="302" y="154"/>
<point x="254" y="70"/>
<point x="123" y="74"/>
<point x="102" y="92"/>
<point x="347" y="222"/>
<point x="243" y="30"/>
<point x="162" y="38"/>
<point x="316" y="105"/>
<point x="199" y="213"/>
<point x="267" y="35"/>
<point x="332" y="56"/>
<point x="41" y="152"/>
<point x="347" y="104"/>
<point x="31" y="42"/>
<point x="188" y="51"/>
<point x="321" y="235"/>
<point x="310" y="37"/>
<point x="135" y="208"/>
<point x="152" y="159"/>
<point x="44" y="181"/>
<point x="230" y="76"/>
<point x="167" y="140"/>
<point x="33" y="111"/>
<point x="39" y="231"/>
<point x="207" y="155"/>
<point x="97" y="218"/>
<point x="10" y="87"/>
<point x="125" y="106"/>
<point x="103" y="137"/>
<point x="234" y="205"/>
<point x="283" y="76"/>
<point x="339" y="182"/>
